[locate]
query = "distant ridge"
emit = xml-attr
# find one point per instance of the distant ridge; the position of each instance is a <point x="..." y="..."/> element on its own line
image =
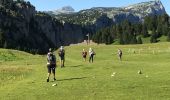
<point x="133" y="13"/>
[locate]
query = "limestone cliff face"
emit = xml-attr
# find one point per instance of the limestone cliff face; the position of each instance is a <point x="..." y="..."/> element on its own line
<point x="71" y="34"/>
<point x="24" y="28"/>
<point x="59" y="33"/>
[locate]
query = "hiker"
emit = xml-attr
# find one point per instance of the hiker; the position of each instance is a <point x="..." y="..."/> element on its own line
<point x="84" y="54"/>
<point x="51" y="64"/>
<point x="61" y="53"/>
<point x="91" y="55"/>
<point x="120" y="54"/>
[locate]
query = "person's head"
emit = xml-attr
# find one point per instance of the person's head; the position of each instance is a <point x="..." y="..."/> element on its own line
<point x="61" y="47"/>
<point x="50" y="50"/>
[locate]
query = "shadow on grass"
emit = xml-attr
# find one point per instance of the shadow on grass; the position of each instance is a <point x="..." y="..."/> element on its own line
<point x="69" y="79"/>
<point x="75" y="66"/>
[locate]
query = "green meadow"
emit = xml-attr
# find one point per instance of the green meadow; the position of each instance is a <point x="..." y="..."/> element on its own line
<point x="23" y="75"/>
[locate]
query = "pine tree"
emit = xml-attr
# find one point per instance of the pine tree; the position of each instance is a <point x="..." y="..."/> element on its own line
<point x="168" y="36"/>
<point x="145" y="31"/>
<point x="154" y="37"/>
<point x="159" y="28"/>
<point x="1" y="38"/>
<point x="139" y="40"/>
<point x="138" y="28"/>
<point x="121" y="41"/>
<point x="165" y="29"/>
<point x="133" y="40"/>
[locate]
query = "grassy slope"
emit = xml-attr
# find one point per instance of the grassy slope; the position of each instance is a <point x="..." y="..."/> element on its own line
<point x="23" y="76"/>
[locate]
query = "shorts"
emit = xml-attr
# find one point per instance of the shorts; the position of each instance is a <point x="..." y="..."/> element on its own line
<point x="62" y="58"/>
<point x="51" y="68"/>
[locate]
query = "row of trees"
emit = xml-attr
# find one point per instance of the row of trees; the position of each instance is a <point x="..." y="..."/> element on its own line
<point x="132" y="33"/>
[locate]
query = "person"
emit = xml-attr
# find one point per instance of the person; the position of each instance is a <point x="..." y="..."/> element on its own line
<point x="51" y="64"/>
<point x="61" y="54"/>
<point x="84" y="54"/>
<point x="91" y="55"/>
<point x="120" y="54"/>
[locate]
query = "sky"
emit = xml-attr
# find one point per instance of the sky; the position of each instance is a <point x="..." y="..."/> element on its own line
<point x="49" y="5"/>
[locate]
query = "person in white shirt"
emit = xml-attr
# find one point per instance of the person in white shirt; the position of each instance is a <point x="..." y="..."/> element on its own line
<point x="91" y="55"/>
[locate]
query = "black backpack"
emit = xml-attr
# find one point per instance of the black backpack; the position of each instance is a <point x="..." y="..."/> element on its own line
<point x="51" y="58"/>
<point x="61" y="53"/>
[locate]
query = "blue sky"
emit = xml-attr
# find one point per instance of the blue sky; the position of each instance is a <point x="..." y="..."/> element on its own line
<point x="45" y="5"/>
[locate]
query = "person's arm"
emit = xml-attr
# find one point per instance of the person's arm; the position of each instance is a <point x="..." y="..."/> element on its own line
<point x="64" y="52"/>
<point x="48" y="59"/>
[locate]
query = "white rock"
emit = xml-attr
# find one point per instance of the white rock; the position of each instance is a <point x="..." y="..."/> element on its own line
<point x="54" y="84"/>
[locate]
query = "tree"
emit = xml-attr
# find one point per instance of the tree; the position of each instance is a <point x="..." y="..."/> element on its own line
<point x="151" y="22"/>
<point x="138" y="28"/>
<point x="145" y="31"/>
<point x="165" y="29"/>
<point x="139" y="40"/>
<point x="1" y="38"/>
<point x="121" y="41"/>
<point x="154" y="37"/>
<point x="133" y="40"/>
<point x="168" y="36"/>
<point x="159" y="28"/>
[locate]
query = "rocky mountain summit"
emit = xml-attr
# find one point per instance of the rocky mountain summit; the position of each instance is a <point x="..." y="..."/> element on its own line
<point x="132" y="13"/>
<point x="63" y="10"/>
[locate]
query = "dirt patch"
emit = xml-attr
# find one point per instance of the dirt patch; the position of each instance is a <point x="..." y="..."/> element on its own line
<point x="85" y="43"/>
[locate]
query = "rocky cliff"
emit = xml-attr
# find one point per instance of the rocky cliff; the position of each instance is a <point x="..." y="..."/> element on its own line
<point x="23" y="28"/>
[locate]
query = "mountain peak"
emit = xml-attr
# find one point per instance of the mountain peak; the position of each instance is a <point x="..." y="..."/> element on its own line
<point x="63" y="10"/>
<point x="67" y="9"/>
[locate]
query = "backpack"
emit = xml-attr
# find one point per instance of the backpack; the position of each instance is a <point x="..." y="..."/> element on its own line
<point x="51" y="58"/>
<point x="120" y="52"/>
<point x="61" y="53"/>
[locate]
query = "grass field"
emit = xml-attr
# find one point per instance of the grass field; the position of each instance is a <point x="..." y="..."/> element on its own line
<point x="23" y="76"/>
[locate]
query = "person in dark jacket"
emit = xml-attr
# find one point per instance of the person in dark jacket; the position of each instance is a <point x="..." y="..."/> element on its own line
<point x="51" y="64"/>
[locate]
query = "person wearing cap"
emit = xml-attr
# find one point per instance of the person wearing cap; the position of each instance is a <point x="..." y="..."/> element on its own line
<point x="61" y="54"/>
<point x="51" y="64"/>
<point x="91" y="55"/>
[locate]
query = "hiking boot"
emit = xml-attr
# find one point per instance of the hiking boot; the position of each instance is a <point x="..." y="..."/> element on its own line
<point x="48" y="80"/>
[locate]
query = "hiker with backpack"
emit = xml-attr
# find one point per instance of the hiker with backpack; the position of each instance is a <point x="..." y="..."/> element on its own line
<point x="120" y="54"/>
<point x="91" y="55"/>
<point x="51" y="64"/>
<point x="61" y="54"/>
<point x="84" y="54"/>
